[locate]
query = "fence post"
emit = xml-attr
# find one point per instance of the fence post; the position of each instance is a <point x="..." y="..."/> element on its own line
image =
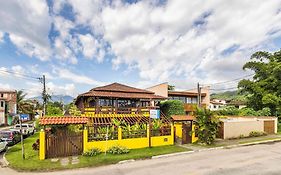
<point x="148" y="136"/>
<point x="119" y="133"/>
<point x="85" y="139"/>
<point x="172" y="133"/>
<point x="42" y="147"/>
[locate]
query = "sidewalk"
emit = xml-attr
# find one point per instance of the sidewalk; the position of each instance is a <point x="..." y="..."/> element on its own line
<point x="233" y="142"/>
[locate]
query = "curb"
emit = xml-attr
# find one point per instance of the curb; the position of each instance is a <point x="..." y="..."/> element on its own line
<point x="126" y="161"/>
<point x="217" y="148"/>
<point x="5" y="160"/>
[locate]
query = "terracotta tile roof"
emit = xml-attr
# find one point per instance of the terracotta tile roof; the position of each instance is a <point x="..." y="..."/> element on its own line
<point x="183" y="117"/>
<point x="117" y="87"/>
<point x="62" y="120"/>
<point x="121" y="95"/>
<point x="117" y="90"/>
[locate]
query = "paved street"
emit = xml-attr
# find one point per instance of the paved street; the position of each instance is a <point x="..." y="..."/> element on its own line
<point x="258" y="159"/>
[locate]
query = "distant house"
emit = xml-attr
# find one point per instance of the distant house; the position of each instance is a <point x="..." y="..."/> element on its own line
<point x="8" y="106"/>
<point x="237" y="104"/>
<point x="217" y="104"/>
<point x="189" y="98"/>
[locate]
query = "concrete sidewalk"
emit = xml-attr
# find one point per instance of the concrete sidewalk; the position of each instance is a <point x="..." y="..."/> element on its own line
<point x="234" y="142"/>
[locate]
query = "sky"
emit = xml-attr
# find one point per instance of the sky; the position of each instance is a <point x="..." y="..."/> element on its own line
<point x="79" y="45"/>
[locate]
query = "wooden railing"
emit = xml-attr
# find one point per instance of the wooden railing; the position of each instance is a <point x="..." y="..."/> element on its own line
<point x="119" y="110"/>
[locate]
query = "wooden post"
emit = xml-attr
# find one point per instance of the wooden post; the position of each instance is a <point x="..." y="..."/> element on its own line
<point x="22" y="144"/>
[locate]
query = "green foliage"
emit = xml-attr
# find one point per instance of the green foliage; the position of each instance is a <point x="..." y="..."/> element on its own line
<point x="75" y="127"/>
<point x="207" y="124"/>
<point x="156" y="124"/>
<point x="229" y="95"/>
<point x="73" y="110"/>
<point x="172" y="107"/>
<point x="232" y="111"/>
<point x="265" y="88"/>
<point x="256" y="134"/>
<point x="92" y="152"/>
<point x="171" y="88"/>
<point x="118" y="150"/>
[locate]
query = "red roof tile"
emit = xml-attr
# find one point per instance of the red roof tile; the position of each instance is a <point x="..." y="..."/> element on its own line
<point x="62" y="120"/>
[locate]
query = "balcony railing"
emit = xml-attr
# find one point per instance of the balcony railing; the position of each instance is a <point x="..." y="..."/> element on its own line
<point x="119" y="110"/>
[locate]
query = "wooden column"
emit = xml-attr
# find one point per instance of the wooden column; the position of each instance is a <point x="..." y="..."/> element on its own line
<point x="97" y="105"/>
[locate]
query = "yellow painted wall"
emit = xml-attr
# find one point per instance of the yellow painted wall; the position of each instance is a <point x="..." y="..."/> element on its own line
<point x="42" y="147"/>
<point x="133" y="143"/>
<point x="178" y="127"/>
<point x="194" y="139"/>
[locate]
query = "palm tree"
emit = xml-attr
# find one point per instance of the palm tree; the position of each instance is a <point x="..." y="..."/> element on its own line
<point x="20" y="100"/>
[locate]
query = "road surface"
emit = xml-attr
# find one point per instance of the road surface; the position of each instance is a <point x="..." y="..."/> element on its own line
<point x="259" y="159"/>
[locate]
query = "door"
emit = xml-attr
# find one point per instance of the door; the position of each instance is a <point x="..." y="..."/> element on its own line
<point x="186" y="130"/>
<point x="64" y="143"/>
<point x="269" y="126"/>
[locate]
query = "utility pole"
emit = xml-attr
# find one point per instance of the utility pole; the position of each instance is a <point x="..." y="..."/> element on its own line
<point x="44" y="95"/>
<point x="199" y="95"/>
<point x="21" y="137"/>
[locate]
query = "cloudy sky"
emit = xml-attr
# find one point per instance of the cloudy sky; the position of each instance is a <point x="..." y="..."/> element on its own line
<point x="82" y="44"/>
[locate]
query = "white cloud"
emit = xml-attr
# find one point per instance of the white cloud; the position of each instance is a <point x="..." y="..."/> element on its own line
<point x="81" y="79"/>
<point x="5" y="87"/>
<point x="176" y="40"/>
<point x="28" y="26"/>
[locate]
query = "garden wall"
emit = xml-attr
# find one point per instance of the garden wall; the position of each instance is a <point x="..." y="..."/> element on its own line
<point x="131" y="143"/>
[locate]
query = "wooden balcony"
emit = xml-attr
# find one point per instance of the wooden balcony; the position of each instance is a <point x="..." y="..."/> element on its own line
<point x="119" y="110"/>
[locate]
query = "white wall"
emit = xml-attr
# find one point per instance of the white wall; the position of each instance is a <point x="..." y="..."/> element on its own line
<point x="233" y="129"/>
<point x="2" y="118"/>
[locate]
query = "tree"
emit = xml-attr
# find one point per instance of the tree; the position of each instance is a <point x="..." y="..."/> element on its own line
<point x="20" y="101"/>
<point x="171" y="88"/>
<point x="265" y="88"/>
<point x="207" y="125"/>
<point x="172" y="107"/>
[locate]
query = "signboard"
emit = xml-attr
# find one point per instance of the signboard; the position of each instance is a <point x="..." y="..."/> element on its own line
<point x="24" y="117"/>
<point x="154" y="113"/>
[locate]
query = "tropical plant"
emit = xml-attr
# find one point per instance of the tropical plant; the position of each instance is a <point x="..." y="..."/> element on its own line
<point x="73" y="110"/>
<point x="207" y="125"/>
<point x="172" y="107"/>
<point x="118" y="150"/>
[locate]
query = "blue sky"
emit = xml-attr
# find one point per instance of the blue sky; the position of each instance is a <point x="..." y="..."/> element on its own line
<point x="82" y="44"/>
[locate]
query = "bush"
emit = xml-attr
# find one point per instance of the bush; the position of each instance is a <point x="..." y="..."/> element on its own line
<point x="207" y="125"/>
<point x="172" y="107"/>
<point x="256" y="134"/>
<point x="35" y="146"/>
<point x="92" y="152"/>
<point x="118" y="150"/>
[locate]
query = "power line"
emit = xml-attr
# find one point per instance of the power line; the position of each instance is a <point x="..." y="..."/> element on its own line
<point x="233" y="80"/>
<point x="20" y="75"/>
<point x="224" y="89"/>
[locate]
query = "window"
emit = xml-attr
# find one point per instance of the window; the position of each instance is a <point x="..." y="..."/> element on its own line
<point x="194" y="100"/>
<point x="2" y="95"/>
<point x="188" y="99"/>
<point x="2" y="104"/>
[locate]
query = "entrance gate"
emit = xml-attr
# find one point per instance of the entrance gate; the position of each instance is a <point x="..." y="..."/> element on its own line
<point x="64" y="143"/>
<point x="186" y="129"/>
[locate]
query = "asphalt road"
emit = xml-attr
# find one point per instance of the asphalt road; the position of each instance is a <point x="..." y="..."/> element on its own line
<point x="262" y="159"/>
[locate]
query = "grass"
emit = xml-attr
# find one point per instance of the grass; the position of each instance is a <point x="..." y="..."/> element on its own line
<point x="32" y="163"/>
<point x="214" y="145"/>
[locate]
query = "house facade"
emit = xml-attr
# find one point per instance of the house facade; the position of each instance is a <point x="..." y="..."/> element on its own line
<point x="217" y="104"/>
<point x="189" y="98"/>
<point x="8" y="106"/>
<point x="117" y="98"/>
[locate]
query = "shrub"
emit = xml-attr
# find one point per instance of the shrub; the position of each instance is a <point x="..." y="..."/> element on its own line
<point x="256" y="134"/>
<point x="172" y="107"/>
<point x="92" y="152"/>
<point x="207" y="125"/>
<point x="35" y="146"/>
<point x="118" y="150"/>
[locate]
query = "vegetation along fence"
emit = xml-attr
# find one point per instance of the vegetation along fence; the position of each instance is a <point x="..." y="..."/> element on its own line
<point x="130" y="138"/>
